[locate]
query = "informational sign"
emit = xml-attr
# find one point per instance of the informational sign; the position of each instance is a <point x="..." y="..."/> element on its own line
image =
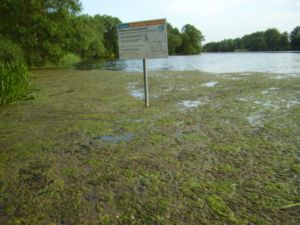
<point x="143" y="40"/>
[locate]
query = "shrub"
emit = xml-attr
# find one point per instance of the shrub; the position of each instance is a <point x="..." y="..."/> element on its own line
<point x="14" y="82"/>
<point x="14" y="75"/>
<point x="10" y="52"/>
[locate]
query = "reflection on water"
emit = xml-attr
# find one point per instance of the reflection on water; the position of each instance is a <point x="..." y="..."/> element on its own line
<point x="284" y="63"/>
<point x="117" y="65"/>
<point x="116" y="139"/>
<point x="190" y="104"/>
<point x="90" y="65"/>
<point x="210" y="84"/>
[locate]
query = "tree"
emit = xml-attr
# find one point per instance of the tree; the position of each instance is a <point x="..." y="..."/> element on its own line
<point x="254" y="41"/>
<point x="284" y="44"/>
<point x="211" y="47"/>
<point x="191" y="40"/>
<point x="295" y="39"/>
<point x="227" y="45"/>
<point x="174" y="39"/>
<point x="87" y="41"/>
<point x="272" y="39"/>
<point x="110" y="35"/>
<point x="40" y="27"/>
<point x="238" y="43"/>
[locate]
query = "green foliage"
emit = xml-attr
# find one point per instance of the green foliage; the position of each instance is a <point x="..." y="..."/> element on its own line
<point x="14" y="82"/>
<point x="174" y="40"/>
<point x="284" y="43"/>
<point x="295" y="38"/>
<point x="219" y="207"/>
<point x="89" y="37"/>
<point x="191" y="40"/>
<point x="10" y="52"/>
<point x="41" y="28"/>
<point x="227" y="45"/>
<point x="272" y="39"/>
<point x="269" y="40"/>
<point x="187" y="42"/>
<point x="110" y="35"/>
<point x="254" y="42"/>
<point x="47" y="30"/>
<point x="68" y="60"/>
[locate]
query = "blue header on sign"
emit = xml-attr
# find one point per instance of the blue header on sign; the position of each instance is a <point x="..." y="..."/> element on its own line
<point x="123" y="25"/>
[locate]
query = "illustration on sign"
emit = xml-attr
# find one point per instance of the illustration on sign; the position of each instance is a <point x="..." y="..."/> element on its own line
<point x="143" y="40"/>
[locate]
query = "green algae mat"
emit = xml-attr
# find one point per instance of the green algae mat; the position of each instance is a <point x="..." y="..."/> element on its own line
<point x="211" y="149"/>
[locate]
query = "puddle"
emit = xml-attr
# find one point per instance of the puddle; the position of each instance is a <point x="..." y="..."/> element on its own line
<point x="191" y="104"/>
<point x="210" y="84"/>
<point x="166" y="88"/>
<point x="267" y="104"/>
<point x="117" y="138"/>
<point x="269" y="90"/>
<point x="255" y="119"/>
<point x="243" y="99"/>
<point x="286" y="76"/>
<point x="138" y="94"/>
<point x="171" y="89"/>
<point x="132" y="85"/>
<point x="233" y="78"/>
<point x="291" y="103"/>
<point x="246" y="74"/>
<point x="183" y="89"/>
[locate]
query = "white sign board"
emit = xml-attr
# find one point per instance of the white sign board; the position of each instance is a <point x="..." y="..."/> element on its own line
<point x="143" y="40"/>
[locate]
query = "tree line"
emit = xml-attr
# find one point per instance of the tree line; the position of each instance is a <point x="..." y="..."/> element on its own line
<point x="269" y="40"/>
<point x="46" y="30"/>
<point x="186" y="42"/>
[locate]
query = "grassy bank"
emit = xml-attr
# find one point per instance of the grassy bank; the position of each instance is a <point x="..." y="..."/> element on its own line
<point x="211" y="149"/>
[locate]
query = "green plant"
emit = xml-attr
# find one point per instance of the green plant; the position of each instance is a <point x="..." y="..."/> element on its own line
<point x="10" y="52"/>
<point x="14" y="82"/>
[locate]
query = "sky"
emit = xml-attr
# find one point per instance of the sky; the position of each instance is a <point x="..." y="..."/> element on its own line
<point x="216" y="19"/>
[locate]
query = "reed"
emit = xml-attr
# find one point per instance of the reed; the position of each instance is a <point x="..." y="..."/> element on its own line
<point x="14" y="82"/>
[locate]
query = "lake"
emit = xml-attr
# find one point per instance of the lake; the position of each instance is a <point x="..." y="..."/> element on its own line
<point x="265" y="62"/>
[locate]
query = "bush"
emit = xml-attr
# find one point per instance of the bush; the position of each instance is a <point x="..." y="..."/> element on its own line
<point x="14" y="75"/>
<point x="10" y="52"/>
<point x="14" y="82"/>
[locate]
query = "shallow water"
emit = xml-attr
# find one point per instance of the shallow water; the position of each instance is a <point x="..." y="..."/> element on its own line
<point x="264" y="62"/>
<point x="190" y="104"/>
<point x="137" y="94"/>
<point x="117" y="138"/>
<point x="210" y="84"/>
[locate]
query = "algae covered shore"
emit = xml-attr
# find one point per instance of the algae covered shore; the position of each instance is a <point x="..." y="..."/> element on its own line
<point x="211" y="149"/>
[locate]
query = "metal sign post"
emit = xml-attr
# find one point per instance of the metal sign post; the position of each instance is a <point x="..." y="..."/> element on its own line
<point x="146" y="83"/>
<point x="143" y="40"/>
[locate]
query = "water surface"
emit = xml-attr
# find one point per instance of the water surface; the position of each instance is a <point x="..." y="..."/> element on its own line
<point x="264" y="62"/>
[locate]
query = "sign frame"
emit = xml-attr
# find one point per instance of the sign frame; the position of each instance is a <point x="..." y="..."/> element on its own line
<point x="143" y="39"/>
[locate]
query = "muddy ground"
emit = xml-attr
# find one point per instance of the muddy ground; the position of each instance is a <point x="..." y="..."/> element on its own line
<point x="211" y="149"/>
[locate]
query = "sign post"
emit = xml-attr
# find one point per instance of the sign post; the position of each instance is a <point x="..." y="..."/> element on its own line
<point x="143" y="40"/>
<point x="146" y="83"/>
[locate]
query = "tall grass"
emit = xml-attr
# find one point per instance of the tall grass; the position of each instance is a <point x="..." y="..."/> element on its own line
<point x="14" y="82"/>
